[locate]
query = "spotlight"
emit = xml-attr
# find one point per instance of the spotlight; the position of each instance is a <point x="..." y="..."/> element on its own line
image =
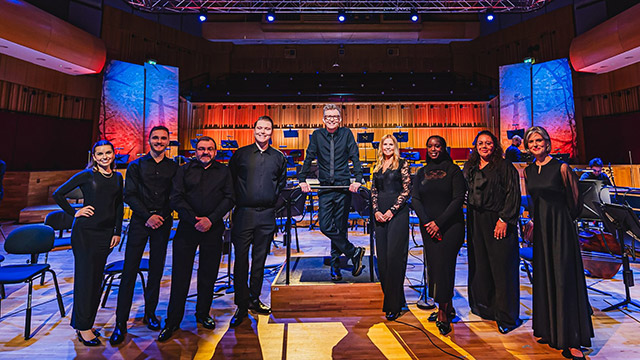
<point x="203" y="15"/>
<point x="271" y="16"/>
<point x="341" y="16"/>
<point x="414" y="16"/>
<point x="490" y="16"/>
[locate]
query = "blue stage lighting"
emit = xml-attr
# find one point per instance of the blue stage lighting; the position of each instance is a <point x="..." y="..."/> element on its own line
<point x="203" y="15"/>
<point x="414" y="16"/>
<point x="271" y="16"/>
<point x="490" y="15"/>
<point x="341" y="16"/>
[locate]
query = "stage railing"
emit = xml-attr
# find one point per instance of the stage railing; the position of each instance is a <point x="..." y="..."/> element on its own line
<point x="297" y="192"/>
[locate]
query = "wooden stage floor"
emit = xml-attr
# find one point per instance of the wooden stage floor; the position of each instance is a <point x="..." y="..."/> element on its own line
<point x="303" y="335"/>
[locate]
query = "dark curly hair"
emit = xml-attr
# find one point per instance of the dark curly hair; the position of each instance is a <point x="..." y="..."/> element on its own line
<point x="495" y="159"/>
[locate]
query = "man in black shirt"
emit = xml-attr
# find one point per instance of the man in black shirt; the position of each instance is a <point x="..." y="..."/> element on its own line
<point x="202" y="195"/>
<point x="512" y="153"/>
<point x="260" y="173"/>
<point x="596" y="165"/>
<point x="146" y="190"/>
<point x="333" y="147"/>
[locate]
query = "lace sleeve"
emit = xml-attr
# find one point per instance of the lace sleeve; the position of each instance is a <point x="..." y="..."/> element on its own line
<point x="406" y="188"/>
<point x="572" y="193"/>
<point x="374" y="194"/>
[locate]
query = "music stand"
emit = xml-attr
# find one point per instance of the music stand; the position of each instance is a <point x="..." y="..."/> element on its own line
<point x="592" y="195"/>
<point x="512" y="133"/>
<point x="290" y="133"/>
<point x="229" y="144"/>
<point x="402" y="137"/>
<point x="621" y="220"/>
<point x="365" y="138"/>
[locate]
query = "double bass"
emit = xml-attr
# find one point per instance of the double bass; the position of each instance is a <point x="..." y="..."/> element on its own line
<point x="601" y="253"/>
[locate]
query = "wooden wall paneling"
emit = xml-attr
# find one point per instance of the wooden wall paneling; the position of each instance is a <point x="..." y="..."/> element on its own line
<point x="41" y="181"/>
<point x="16" y="186"/>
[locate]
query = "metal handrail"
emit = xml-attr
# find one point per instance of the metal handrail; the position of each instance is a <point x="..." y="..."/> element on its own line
<point x="288" y="227"/>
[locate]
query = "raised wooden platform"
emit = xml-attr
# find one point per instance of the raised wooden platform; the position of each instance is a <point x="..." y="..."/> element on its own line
<point x="36" y="214"/>
<point x="311" y="289"/>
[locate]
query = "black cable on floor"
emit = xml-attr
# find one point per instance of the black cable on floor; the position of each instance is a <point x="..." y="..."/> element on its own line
<point x="430" y="340"/>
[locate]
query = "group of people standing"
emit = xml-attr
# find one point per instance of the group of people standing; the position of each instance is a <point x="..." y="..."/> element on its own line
<point x="203" y="191"/>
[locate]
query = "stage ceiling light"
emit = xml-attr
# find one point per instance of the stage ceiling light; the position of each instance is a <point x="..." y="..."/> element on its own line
<point x="489" y="15"/>
<point x="341" y="16"/>
<point x="271" y="16"/>
<point x="414" y="16"/>
<point x="203" y="15"/>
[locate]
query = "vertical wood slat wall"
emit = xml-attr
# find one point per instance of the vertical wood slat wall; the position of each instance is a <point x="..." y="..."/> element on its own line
<point x="457" y="122"/>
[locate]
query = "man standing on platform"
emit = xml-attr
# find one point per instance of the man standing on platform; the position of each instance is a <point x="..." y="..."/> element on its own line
<point x="146" y="190"/>
<point x="333" y="147"/>
<point x="512" y="153"/>
<point x="202" y="194"/>
<point x="259" y="173"/>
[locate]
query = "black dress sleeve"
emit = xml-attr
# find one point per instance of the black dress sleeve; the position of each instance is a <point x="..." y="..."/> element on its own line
<point x="572" y="192"/>
<point x="406" y="188"/>
<point x="416" y="201"/>
<point x="132" y="194"/>
<point x="117" y="229"/>
<point x="227" y="201"/>
<point x="282" y="179"/>
<point x="178" y="200"/>
<point x="510" y="212"/>
<point x="458" y="189"/>
<point x="74" y="182"/>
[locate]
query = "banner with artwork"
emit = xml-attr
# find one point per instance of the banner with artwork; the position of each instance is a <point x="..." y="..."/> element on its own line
<point x="542" y="95"/>
<point x="134" y="99"/>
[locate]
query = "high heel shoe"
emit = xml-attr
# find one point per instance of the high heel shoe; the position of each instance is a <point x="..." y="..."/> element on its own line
<point x="444" y="327"/>
<point x="93" y="342"/>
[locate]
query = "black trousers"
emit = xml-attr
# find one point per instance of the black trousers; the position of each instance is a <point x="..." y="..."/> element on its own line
<point x="392" y="246"/>
<point x="136" y="242"/>
<point x="255" y="227"/>
<point x="90" y="251"/>
<point x="333" y="215"/>
<point x="185" y="244"/>
<point x="494" y="284"/>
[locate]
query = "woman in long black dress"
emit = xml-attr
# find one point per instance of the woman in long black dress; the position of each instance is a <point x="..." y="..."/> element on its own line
<point x="96" y="230"/>
<point x="561" y="310"/>
<point x="492" y="237"/>
<point x="390" y="191"/>
<point x="438" y="195"/>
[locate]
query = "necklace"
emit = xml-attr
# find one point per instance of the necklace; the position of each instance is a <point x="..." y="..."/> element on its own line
<point x="103" y="174"/>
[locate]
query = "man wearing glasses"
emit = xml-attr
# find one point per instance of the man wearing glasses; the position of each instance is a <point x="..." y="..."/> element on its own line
<point x="202" y="195"/>
<point x="333" y="147"/>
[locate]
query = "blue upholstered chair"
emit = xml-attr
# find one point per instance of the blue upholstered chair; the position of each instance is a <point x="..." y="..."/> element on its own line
<point x="32" y="240"/>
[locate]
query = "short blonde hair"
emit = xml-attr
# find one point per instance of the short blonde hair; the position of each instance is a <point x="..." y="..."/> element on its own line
<point x="542" y="132"/>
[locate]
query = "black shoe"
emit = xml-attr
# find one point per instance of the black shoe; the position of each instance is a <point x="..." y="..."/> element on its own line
<point x="238" y="316"/>
<point x="118" y="334"/>
<point x="444" y="327"/>
<point x="206" y="321"/>
<point x="392" y="316"/>
<point x="567" y="354"/>
<point x="152" y="322"/>
<point x="433" y="317"/>
<point x="357" y="261"/>
<point x="505" y="329"/>
<point x="167" y="333"/>
<point x="93" y="342"/>
<point x="335" y="274"/>
<point x="96" y="332"/>
<point x="259" y="307"/>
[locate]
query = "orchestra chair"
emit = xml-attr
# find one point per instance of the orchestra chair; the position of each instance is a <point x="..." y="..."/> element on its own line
<point x="114" y="270"/>
<point x="32" y="240"/>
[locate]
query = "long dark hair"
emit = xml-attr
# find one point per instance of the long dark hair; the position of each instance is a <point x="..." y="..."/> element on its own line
<point x="444" y="155"/>
<point x="92" y="164"/>
<point x="495" y="159"/>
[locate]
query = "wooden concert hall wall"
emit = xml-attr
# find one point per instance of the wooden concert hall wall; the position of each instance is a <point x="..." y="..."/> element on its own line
<point x="457" y="122"/>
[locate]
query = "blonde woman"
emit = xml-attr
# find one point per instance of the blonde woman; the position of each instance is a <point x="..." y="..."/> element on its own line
<point x="390" y="190"/>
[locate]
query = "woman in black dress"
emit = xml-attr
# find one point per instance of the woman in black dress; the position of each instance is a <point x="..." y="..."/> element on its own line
<point x="390" y="190"/>
<point x="96" y="230"/>
<point x="438" y="195"/>
<point x="561" y="310"/>
<point x="493" y="212"/>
